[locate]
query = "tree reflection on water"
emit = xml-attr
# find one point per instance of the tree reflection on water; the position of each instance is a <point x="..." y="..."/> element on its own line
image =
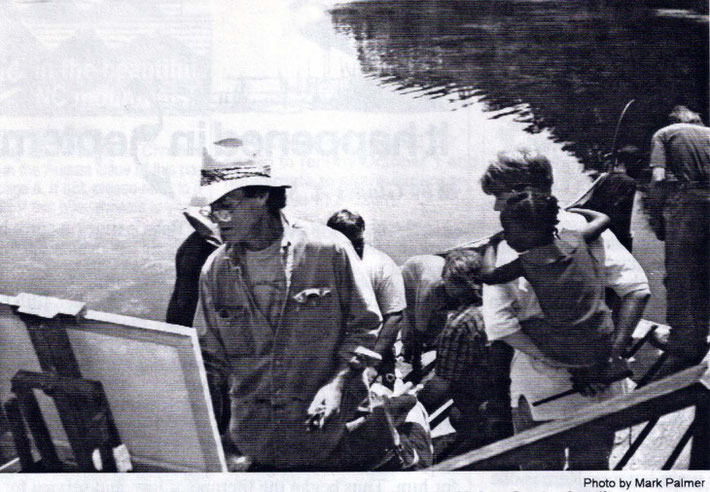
<point x="569" y="66"/>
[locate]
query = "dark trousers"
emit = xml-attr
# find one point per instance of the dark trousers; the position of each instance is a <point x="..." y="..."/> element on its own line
<point x="687" y="222"/>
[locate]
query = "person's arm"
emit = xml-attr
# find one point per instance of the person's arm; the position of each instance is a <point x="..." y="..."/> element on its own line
<point x="388" y="334"/>
<point x="520" y="341"/>
<point x="361" y="315"/>
<point x="629" y="314"/>
<point x="392" y="301"/>
<point x="624" y="275"/>
<point x="362" y="321"/>
<point x="658" y="161"/>
<point x="211" y="345"/>
<point x="597" y="223"/>
<point x="657" y="198"/>
<point x="658" y="192"/>
<point x="501" y="275"/>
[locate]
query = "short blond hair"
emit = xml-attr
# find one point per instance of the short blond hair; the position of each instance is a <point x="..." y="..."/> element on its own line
<point x="681" y="114"/>
<point x="520" y="168"/>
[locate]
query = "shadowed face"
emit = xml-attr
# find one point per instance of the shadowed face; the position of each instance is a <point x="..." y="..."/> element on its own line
<point x="522" y="238"/>
<point x="238" y="216"/>
<point x="358" y="243"/>
<point x="502" y="198"/>
<point x="463" y="290"/>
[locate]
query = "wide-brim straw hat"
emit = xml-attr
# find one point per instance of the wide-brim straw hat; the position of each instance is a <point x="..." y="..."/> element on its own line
<point x="226" y="166"/>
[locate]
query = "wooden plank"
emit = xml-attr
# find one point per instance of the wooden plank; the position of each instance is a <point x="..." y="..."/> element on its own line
<point x="19" y="435"/>
<point x="47" y="307"/>
<point x="700" y="450"/>
<point x="12" y="466"/>
<point x="670" y="394"/>
<point x="32" y="413"/>
<point x="51" y="345"/>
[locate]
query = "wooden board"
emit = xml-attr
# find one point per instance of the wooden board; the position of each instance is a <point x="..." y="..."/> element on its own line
<point x="154" y="380"/>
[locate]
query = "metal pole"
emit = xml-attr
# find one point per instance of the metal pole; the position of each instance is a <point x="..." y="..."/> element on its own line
<point x="616" y="132"/>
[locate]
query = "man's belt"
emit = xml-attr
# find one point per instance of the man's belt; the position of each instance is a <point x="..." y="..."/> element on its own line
<point x="695" y="185"/>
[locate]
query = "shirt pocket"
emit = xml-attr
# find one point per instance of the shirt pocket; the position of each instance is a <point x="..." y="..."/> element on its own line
<point x="235" y="328"/>
<point x="312" y="297"/>
<point x="314" y="312"/>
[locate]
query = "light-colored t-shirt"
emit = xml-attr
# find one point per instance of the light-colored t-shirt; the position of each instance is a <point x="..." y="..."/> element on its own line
<point x="267" y="279"/>
<point x="504" y="305"/>
<point x="386" y="279"/>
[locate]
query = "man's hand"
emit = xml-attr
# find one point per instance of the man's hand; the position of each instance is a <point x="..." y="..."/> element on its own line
<point x="593" y="380"/>
<point x="326" y="403"/>
<point x="658" y="174"/>
<point x="657" y="197"/>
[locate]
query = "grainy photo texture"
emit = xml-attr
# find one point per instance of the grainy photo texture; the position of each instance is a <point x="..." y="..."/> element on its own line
<point x="349" y="236"/>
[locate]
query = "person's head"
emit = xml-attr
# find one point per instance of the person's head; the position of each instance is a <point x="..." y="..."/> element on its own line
<point x="237" y="190"/>
<point x="515" y="171"/>
<point x="681" y="114"/>
<point x="529" y="220"/>
<point x="459" y="276"/>
<point x="629" y="158"/>
<point x="240" y="213"/>
<point x="352" y="226"/>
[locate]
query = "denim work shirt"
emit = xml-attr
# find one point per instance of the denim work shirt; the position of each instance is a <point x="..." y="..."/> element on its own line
<point x="274" y="372"/>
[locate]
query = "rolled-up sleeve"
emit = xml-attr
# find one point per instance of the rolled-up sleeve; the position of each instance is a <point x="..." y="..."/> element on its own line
<point x="390" y="291"/>
<point x="500" y="313"/>
<point x="658" y="151"/>
<point x="211" y="344"/>
<point x="622" y="272"/>
<point x="502" y="307"/>
<point x="359" y="306"/>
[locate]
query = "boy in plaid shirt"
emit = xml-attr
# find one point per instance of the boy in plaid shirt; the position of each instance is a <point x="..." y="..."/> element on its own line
<point x="476" y="371"/>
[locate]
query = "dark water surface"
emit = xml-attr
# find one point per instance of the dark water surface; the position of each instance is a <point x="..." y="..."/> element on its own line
<point x="569" y="66"/>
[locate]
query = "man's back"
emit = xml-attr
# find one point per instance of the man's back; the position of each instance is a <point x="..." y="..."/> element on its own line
<point x="190" y="257"/>
<point x="426" y="298"/>
<point x="684" y="149"/>
<point x="386" y="279"/>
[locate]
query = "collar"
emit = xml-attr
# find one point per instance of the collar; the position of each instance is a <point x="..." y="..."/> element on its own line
<point x="204" y="227"/>
<point x="549" y="253"/>
<point x="287" y="238"/>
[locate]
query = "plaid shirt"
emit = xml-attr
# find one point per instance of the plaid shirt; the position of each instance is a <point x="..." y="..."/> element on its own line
<point x="462" y="352"/>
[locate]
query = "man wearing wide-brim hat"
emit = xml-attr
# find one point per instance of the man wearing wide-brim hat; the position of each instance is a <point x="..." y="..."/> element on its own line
<point x="283" y="305"/>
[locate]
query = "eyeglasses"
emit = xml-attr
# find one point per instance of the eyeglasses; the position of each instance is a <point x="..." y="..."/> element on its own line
<point x="222" y="212"/>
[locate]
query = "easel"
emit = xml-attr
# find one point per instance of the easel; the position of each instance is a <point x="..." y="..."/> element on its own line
<point x="82" y="405"/>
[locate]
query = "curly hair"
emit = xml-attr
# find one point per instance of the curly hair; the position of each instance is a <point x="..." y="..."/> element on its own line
<point x="681" y="114"/>
<point x="518" y="169"/>
<point x="462" y="263"/>
<point x="533" y="210"/>
<point x="349" y="223"/>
